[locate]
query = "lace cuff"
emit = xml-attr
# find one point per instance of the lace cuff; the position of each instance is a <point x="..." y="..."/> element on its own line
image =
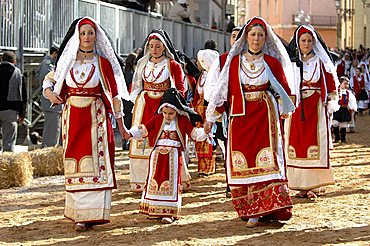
<point x="198" y="134"/>
<point x="118" y="107"/>
<point x="213" y="116"/>
<point x="138" y="132"/>
<point x="118" y="115"/>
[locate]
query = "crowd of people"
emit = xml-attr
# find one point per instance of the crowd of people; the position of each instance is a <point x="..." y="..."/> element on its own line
<point x="257" y="103"/>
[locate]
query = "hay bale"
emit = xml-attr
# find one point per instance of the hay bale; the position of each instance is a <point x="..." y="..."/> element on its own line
<point x="15" y="170"/>
<point x="47" y="161"/>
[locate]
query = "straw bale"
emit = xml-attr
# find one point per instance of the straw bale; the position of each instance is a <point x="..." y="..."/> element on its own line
<point x="47" y="161"/>
<point x="15" y="170"/>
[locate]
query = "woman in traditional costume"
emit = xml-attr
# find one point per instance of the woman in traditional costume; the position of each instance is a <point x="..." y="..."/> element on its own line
<point x="206" y="154"/>
<point x="307" y="130"/>
<point x="253" y="76"/>
<point x="166" y="132"/>
<point x="89" y="81"/>
<point x="156" y="71"/>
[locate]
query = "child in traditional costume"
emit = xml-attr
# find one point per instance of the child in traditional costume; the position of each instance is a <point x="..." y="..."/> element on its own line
<point x="166" y="131"/>
<point x="158" y="69"/>
<point x="342" y="117"/>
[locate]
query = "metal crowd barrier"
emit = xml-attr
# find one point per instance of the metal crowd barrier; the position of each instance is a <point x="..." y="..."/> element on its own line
<point x="35" y="24"/>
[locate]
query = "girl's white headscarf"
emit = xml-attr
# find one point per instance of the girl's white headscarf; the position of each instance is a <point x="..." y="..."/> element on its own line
<point x="273" y="47"/>
<point x="102" y="48"/>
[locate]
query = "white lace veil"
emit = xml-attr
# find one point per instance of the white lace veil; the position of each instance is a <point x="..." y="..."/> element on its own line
<point x="137" y="84"/>
<point x="319" y="50"/>
<point x="102" y="48"/>
<point x="273" y="47"/>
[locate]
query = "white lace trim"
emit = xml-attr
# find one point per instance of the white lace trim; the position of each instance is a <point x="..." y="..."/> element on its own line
<point x="320" y="52"/>
<point x="137" y="83"/>
<point x="102" y="48"/>
<point x="273" y="47"/>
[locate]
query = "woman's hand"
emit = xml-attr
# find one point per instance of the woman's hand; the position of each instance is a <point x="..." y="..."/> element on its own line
<point x="53" y="97"/>
<point x="284" y="116"/>
<point x="122" y="129"/>
<point x="128" y="135"/>
<point x="208" y="127"/>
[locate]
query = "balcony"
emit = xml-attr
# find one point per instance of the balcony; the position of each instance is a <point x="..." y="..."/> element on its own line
<point x="315" y="20"/>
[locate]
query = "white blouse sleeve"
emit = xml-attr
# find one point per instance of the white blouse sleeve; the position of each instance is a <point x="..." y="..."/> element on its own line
<point x="211" y="80"/>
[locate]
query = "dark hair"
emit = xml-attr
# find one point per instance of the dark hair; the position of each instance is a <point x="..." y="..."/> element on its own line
<point x="256" y="24"/>
<point x="53" y="49"/>
<point x="343" y="78"/>
<point x="210" y="44"/>
<point x="130" y="61"/>
<point x="167" y="40"/>
<point x="237" y="28"/>
<point x="9" y="56"/>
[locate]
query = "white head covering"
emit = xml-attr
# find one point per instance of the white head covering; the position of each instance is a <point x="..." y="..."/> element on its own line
<point x="272" y="46"/>
<point x="319" y="51"/>
<point x="102" y="48"/>
<point x="137" y="84"/>
<point x="206" y="58"/>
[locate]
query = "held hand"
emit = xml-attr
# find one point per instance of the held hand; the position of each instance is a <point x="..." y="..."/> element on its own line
<point x="284" y="116"/>
<point x="53" y="97"/>
<point x="127" y="135"/>
<point x="208" y="127"/>
<point x="122" y="129"/>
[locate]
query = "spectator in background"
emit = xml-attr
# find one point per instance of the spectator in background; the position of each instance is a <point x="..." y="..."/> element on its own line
<point x="180" y="11"/>
<point x="130" y="64"/>
<point x="51" y="131"/>
<point x="210" y="44"/>
<point x="137" y="51"/>
<point x="13" y="99"/>
<point x="230" y="26"/>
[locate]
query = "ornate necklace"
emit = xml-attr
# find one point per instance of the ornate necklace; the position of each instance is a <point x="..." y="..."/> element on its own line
<point x="245" y="70"/>
<point x="85" y="51"/>
<point x="254" y="56"/>
<point x="151" y="73"/>
<point x="83" y="83"/>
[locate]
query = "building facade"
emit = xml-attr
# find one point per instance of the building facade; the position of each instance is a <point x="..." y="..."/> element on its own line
<point x="353" y="23"/>
<point x="285" y="15"/>
<point x="209" y="13"/>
